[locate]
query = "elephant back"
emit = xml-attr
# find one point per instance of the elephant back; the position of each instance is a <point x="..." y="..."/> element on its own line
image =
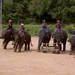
<point x="15" y="31"/>
<point x="43" y="33"/>
<point x="58" y="33"/>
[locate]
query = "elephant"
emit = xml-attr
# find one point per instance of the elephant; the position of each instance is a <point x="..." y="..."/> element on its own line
<point x="58" y="39"/>
<point x="19" y="41"/>
<point x="72" y="43"/>
<point x="44" y="37"/>
<point x="6" y="36"/>
<point x="22" y="39"/>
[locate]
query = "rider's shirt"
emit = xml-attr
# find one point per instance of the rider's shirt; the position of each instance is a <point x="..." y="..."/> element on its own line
<point x="22" y="28"/>
<point x="73" y="33"/>
<point x="58" y="26"/>
<point x="44" y="25"/>
<point x="10" y="26"/>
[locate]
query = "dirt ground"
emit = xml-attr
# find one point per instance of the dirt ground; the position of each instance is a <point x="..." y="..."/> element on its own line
<point x="35" y="63"/>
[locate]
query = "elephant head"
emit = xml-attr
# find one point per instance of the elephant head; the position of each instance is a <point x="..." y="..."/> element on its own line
<point x="5" y="34"/>
<point x="72" y="47"/>
<point x="57" y="36"/>
<point x="72" y="41"/>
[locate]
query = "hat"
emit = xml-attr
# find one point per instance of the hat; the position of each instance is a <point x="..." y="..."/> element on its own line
<point x="10" y="21"/>
<point x="22" y="24"/>
<point x="44" y="21"/>
<point x="58" y="21"/>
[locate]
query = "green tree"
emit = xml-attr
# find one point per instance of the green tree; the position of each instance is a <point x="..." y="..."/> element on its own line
<point x="53" y="8"/>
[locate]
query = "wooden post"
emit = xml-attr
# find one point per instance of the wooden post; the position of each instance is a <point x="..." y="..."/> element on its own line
<point x="0" y="17"/>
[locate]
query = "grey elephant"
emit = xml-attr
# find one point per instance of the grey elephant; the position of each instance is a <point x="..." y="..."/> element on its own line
<point x="6" y="36"/>
<point x="44" y="38"/>
<point x="22" y="40"/>
<point x="19" y="41"/>
<point x="72" y="43"/>
<point x="58" y="39"/>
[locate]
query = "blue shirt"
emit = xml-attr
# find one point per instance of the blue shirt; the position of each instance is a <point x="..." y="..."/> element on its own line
<point x="22" y="28"/>
<point x="44" y="25"/>
<point x="58" y="26"/>
<point x="73" y="33"/>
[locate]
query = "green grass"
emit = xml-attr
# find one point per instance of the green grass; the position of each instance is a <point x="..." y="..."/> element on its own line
<point x="33" y="29"/>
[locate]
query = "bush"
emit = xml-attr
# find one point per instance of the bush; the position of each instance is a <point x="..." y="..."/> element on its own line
<point x="69" y="28"/>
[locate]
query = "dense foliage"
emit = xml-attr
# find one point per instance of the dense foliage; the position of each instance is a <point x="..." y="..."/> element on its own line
<point x="28" y="11"/>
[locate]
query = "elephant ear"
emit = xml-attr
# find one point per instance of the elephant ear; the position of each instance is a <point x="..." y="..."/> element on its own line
<point x="71" y="39"/>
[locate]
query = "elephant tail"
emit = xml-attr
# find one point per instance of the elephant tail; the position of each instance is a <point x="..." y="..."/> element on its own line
<point x="31" y="44"/>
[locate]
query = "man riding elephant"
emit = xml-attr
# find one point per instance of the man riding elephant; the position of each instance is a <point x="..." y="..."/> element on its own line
<point x="44" y="35"/>
<point x="60" y="36"/>
<point x="44" y="26"/>
<point x="6" y="36"/>
<point x="21" y="38"/>
<point x="22" y="29"/>
<point x="10" y="27"/>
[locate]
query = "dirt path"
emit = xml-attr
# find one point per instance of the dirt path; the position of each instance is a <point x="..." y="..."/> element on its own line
<point x="35" y="63"/>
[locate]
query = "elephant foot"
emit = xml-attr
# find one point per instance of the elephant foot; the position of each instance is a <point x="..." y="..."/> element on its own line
<point x="44" y="51"/>
<point x="38" y="51"/>
<point x="64" y="50"/>
<point x="4" y="48"/>
<point x="54" y="52"/>
<point x="70" y="53"/>
<point x="19" y="51"/>
<point x="28" y="49"/>
<point x="25" y="49"/>
<point x="14" y="50"/>
<point x="58" y="52"/>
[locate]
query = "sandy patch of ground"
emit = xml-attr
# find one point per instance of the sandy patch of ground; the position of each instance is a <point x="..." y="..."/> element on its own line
<point x="35" y="63"/>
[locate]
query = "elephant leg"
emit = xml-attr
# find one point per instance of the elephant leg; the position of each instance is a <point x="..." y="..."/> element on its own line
<point x="28" y="46"/>
<point x="20" y="47"/>
<point x="5" y="44"/>
<point x="13" y="43"/>
<point x="15" y="47"/>
<point x="47" y="44"/>
<point x="39" y="44"/>
<point x="71" y="50"/>
<point x="60" y="47"/>
<point x="25" y="48"/>
<point x="64" y="46"/>
<point x="44" y="43"/>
